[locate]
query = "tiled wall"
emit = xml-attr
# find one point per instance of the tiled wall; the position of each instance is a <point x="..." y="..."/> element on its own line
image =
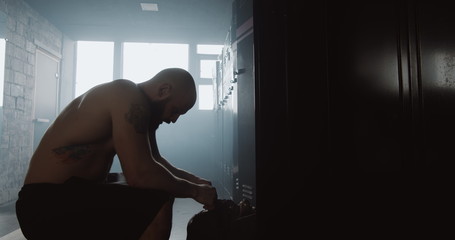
<point x="25" y="31"/>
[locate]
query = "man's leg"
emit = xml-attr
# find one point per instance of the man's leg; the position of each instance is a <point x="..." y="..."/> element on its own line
<point x="160" y="227"/>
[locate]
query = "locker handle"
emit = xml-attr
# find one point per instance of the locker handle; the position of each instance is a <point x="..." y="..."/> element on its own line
<point x="41" y="120"/>
<point x="239" y="71"/>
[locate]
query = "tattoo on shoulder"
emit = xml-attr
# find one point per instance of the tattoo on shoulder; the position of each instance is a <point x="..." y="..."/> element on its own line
<point x="137" y="116"/>
<point x="73" y="152"/>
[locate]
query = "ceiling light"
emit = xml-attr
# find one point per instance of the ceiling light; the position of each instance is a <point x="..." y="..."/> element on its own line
<point x="149" y="7"/>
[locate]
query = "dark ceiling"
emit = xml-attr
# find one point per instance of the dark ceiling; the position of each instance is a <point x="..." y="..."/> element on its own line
<point x="176" y="21"/>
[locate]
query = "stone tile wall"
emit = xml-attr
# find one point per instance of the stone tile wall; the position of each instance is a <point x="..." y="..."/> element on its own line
<point x="25" y="28"/>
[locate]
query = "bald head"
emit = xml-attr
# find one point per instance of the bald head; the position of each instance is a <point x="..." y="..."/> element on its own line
<point x="171" y="87"/>
<point x="176" y="76"/>
<point x="182" y="83"/>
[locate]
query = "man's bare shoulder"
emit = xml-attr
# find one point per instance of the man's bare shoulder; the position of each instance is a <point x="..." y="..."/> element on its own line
<point x="123" y="90"/>
<point x="129" y="106"/>
<point x="122" y="85"/>
<point x="106" y="94"/>
<point x="127" y="98"/>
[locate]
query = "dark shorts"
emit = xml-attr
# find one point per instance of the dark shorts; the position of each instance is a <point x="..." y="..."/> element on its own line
<point x="80" y="209"/>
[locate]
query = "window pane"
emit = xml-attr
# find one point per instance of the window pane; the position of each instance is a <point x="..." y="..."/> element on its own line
<point x="208" y="68"/>
<point x="2" y="70"/>
<point x="141" y="61"/>
<point x="205" y="97"/>
<point x="95" y="64"/>
<point x="209" y="49"/>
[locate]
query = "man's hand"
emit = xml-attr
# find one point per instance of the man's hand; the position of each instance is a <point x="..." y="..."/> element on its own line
<point x="202" y="181"/>
<point x="206" y="195"/>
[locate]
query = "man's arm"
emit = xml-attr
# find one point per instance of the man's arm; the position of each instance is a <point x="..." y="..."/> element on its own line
<point x="130" y="118"/>
<point x="176" y="171"/>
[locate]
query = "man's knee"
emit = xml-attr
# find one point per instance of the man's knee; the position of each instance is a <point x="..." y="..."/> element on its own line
<point x="166" y="209"/>
<point x="165" y="213"/>
<point x="171" y="200"/>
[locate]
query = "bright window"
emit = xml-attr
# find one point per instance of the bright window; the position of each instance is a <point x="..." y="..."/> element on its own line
<point x="205" y="97"/>
<point x="209" y="49"/>
<point x="208" y="68"/>
<point x="2" y="70"/>
<point x="95" y="64"/>
<point x="141" y="61"/>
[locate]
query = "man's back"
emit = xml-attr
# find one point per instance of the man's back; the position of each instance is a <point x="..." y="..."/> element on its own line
<point x="76" y="153"/>
<point x="79" y="142"/>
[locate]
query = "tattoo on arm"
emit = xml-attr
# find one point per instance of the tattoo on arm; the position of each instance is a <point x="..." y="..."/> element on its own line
<point x="137" y="116"/>
<point x="73" y="152"/>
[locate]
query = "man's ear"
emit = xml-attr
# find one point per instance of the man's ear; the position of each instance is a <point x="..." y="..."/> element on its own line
<point x="164" y="91"/>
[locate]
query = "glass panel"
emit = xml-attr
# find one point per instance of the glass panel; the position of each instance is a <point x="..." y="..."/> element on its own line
<point x="208" y="68"/>
<point x="95" y="64"/>
<point x="2" y="69"/>
<point x="2" y="79"/>
<point x="141" y="61"/>
<point x="209" y="49"/>
<point x="205" y="97"/>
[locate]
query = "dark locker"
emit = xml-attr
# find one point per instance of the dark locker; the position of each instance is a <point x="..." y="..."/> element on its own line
<point x="354" y="116"/>
<point x="436" y="36"/>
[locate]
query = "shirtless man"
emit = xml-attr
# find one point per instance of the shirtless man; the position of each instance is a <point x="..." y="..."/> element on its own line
<point x="65" y="195"/>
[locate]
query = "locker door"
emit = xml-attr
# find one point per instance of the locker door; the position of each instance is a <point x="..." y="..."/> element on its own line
<point x="246" y="120"/>
<point x="245" y="179"/>
<point x="46" y="94"/>
<point x="365" y="88"/>
<point x="437" y="54"/>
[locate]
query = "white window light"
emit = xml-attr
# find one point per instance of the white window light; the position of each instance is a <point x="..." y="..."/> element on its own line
<point x="209" y="49"/>
<point x="153" y="7"/>
<point x="208" y="68"/>
<point x="205" y="97"/>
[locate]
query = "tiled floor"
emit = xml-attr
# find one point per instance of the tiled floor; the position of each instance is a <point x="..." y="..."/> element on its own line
<point x="8" y="220"/>
<point x="184" y="209"/>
